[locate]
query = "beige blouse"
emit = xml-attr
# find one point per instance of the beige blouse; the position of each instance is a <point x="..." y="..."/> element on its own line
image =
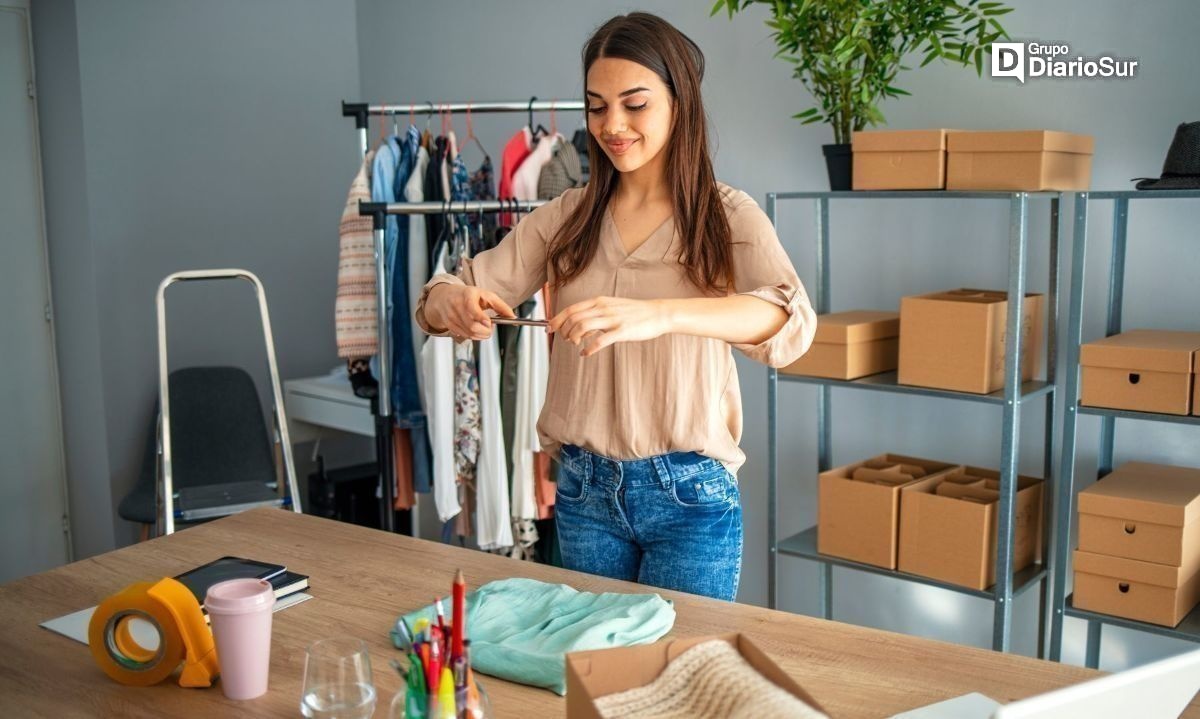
<point x="674" y="393"/>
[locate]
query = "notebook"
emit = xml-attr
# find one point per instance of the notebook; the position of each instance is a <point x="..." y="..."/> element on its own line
<point x="201" y="578"/>
<point x="284" y="583"/>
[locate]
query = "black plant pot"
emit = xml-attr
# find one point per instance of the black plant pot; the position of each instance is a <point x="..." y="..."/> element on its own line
<point x="837" y="162"/>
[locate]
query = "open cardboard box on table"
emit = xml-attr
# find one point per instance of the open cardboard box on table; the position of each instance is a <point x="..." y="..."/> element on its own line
<point x="1140" y="370"/>
<point x="858" y="506"/>
<point x="1018" y="160"/>
<point x="601" y="672"/>
<point x="899" y="159"/>
<point x="956" y="340"/>
<point x="849" y="345"/>
<point x="948" y="526"/>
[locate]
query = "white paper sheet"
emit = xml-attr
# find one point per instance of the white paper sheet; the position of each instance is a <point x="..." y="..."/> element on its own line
<point x="75" y="625"/>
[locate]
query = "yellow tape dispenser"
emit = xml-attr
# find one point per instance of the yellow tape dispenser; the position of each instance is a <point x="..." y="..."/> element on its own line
<point x="173" y="611"/>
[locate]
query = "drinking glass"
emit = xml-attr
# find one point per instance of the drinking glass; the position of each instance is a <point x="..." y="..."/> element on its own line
<point x="337" y="680"/>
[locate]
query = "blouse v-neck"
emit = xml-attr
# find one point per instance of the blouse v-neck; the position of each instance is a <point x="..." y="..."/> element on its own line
<point x="650" y="238"/>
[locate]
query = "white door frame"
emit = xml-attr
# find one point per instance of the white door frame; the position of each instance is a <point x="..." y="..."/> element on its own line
<point x="21" y="8"/>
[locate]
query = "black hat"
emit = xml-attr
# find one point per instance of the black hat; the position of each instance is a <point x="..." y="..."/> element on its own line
<point x="1181" y="170"/>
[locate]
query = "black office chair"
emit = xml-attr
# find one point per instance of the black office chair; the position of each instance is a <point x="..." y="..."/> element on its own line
<point x="220" y="443"/>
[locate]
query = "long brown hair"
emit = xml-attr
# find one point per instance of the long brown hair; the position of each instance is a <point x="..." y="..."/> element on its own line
<point x="699" y="213"/>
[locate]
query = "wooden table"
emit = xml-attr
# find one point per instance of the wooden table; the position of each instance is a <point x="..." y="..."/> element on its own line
<point x="362" y="579"/>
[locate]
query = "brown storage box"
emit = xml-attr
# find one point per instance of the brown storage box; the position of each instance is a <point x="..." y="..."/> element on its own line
<point x="899" y="160"/>
<point x="1148" y="512"/>
<point x="849" y="345"/>
<point x="955" y="340"/>
<point x="1140" y="370"/>
<point x="948" y="526"/>
<point x="858" y="506"/>
<point x="1021" y="160"/>
<point x="1147" y="592"/>
<point x="602" y="672"/>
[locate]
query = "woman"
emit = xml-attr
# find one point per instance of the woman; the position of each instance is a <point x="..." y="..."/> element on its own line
<point x="658" y="269"/>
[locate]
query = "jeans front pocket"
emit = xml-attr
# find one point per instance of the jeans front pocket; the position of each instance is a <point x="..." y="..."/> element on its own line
<point x="574" y="476"/>
<point x="713" y="488"/>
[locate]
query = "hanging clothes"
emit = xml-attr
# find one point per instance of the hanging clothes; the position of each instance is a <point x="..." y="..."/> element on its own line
<point x="579" y="141"/>
<point x="561" y="173"/>
<point x="515" y="151"/>
<point x="434" y="192"/>
<point x="533" y="372"/>
<point x="525" y="179"/>
<point x="393" y="164"/>
<point x="418" y="252"/>
<point x="491" y="490"/>
<point x="402" y="450"/>
<point x="437" y="364"/>
<point x="354" y="311"/>
<point x="533" y="364"/>
<point x="483" y="187"/>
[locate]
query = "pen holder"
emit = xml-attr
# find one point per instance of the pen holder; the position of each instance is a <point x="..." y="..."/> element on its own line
<point x="404" y="707"/>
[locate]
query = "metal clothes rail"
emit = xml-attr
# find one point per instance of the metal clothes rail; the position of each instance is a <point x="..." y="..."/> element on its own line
<point x="381" y="406"/>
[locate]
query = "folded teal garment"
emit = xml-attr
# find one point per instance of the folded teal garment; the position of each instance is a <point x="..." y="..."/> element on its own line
<point x="521" y="629"/>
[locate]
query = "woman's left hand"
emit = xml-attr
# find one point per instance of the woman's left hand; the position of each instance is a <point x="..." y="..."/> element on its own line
<point x="601" y="321"/>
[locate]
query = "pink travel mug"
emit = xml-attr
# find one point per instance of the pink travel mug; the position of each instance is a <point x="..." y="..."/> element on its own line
<point x="240" y="612"/>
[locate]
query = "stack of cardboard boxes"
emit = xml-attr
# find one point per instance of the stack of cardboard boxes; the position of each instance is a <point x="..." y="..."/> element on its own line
<point x="1139" y="544"/>
<point x="1139" y="527"/>
<point x="925" y="517"/>
<point x="1021" y="160"/>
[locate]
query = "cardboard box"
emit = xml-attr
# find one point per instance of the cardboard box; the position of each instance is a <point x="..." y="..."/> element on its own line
<point x="948" y="526"/>
<point x="602" y="672"/>
<point x="1143" y="511"/>
<point x="1145" y="591"/>
<point x="858" y="506"/>
<point x="1021" y="160"/>
<point x="1140" y="370"/>
<point x="955" y="340"/>
<point x="899" y="159"/>
<point x="849" y="345"/>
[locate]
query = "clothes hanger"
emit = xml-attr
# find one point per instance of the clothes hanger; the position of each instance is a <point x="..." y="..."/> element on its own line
<point x="539" y="131"/>
<point x="471" y="136"/>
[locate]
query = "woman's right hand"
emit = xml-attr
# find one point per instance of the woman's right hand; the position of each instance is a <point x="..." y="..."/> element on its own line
<point x="461" y="310"/>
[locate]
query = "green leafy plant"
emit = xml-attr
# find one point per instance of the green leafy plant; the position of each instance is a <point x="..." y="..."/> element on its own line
<point x="847" y="53"/>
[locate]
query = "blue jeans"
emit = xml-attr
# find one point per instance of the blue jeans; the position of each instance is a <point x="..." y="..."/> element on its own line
<point x="672" y="521"/>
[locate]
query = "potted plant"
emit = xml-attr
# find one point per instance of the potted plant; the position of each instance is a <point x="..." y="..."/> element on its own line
<point x="847" y="54"/>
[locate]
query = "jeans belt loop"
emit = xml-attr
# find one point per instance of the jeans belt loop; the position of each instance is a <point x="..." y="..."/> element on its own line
<point x="663" y="469"/>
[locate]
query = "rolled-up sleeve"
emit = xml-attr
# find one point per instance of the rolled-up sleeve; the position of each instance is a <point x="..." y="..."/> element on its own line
<point x="763" y="269"/>
<point x="514" y="269"/>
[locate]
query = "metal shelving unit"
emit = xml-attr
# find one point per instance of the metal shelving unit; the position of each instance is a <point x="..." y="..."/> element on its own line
<point x="1189" y="628"/>
<point x="1010" y="399"/>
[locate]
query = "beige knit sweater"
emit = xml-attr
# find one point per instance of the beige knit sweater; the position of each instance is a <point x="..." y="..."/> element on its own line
<point x="711" y="679"/>
<point x="355" y="309"/>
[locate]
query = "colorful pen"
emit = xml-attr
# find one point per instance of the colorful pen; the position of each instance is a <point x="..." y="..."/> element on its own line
<point x="435" y="660"/>
<point x="458" y="610"/>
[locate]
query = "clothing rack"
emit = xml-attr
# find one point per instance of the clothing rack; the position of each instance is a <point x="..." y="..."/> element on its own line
<point x="381" y="406"/>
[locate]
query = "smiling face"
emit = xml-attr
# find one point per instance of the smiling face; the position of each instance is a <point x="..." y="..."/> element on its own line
<point x="630" y="110"/>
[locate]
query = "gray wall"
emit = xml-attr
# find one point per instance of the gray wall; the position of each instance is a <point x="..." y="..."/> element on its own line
<point x="184" y="135"/>
<point x="881" y="251"/>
